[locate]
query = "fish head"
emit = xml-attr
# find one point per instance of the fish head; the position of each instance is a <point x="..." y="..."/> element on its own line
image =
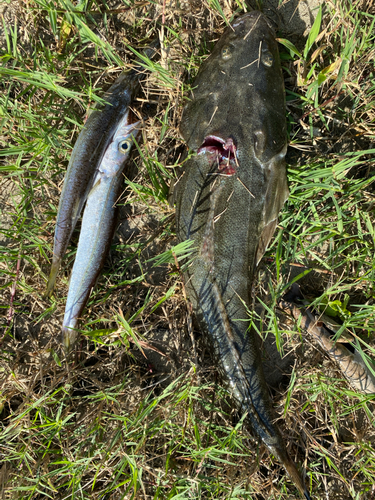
<point x="235" y="90"/>
<point x="120" y="146"/>
<point x="236" y="122"/>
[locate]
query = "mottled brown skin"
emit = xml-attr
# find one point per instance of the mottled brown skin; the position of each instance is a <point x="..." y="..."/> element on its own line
<point x="229" y="205"/>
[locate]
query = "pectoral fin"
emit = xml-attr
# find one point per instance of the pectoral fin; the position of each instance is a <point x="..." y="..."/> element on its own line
<point x="276" y="195"/>
<point x="264" y="239"/>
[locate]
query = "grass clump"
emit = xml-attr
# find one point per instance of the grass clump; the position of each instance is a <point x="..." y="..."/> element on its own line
<point x="141" y="413"/>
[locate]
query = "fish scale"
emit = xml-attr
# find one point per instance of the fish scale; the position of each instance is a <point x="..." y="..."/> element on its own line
<point x="229" y="208"/>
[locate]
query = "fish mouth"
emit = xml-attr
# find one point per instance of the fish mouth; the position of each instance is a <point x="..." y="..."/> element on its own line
<point x="224" y="153"/>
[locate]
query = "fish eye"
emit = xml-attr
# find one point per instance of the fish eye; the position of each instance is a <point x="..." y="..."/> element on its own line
<point x="259" y="142"/>
<point x="124" y="146"/>
<point x="266" y="58"/>
<point x="226" y="53"/>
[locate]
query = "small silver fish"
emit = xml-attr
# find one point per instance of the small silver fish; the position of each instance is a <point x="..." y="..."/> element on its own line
<point x="87" y="155"/>
<point x="98" y="224"/>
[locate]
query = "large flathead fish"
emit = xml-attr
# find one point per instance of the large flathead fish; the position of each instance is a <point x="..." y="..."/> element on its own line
<point x="87" y="155"/>
<point x="228" y="199"/>
<point x="98" y="224"/>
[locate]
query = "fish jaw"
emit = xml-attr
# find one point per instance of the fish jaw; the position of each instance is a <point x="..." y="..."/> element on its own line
<point x="98" y="225"/>
<point x="223" y="153"/>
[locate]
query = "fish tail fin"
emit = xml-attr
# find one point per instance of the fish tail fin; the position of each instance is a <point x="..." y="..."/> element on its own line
<point x="292" y="471"/>
<point x="69" y="336"/>
<point x="52" y="277"/>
